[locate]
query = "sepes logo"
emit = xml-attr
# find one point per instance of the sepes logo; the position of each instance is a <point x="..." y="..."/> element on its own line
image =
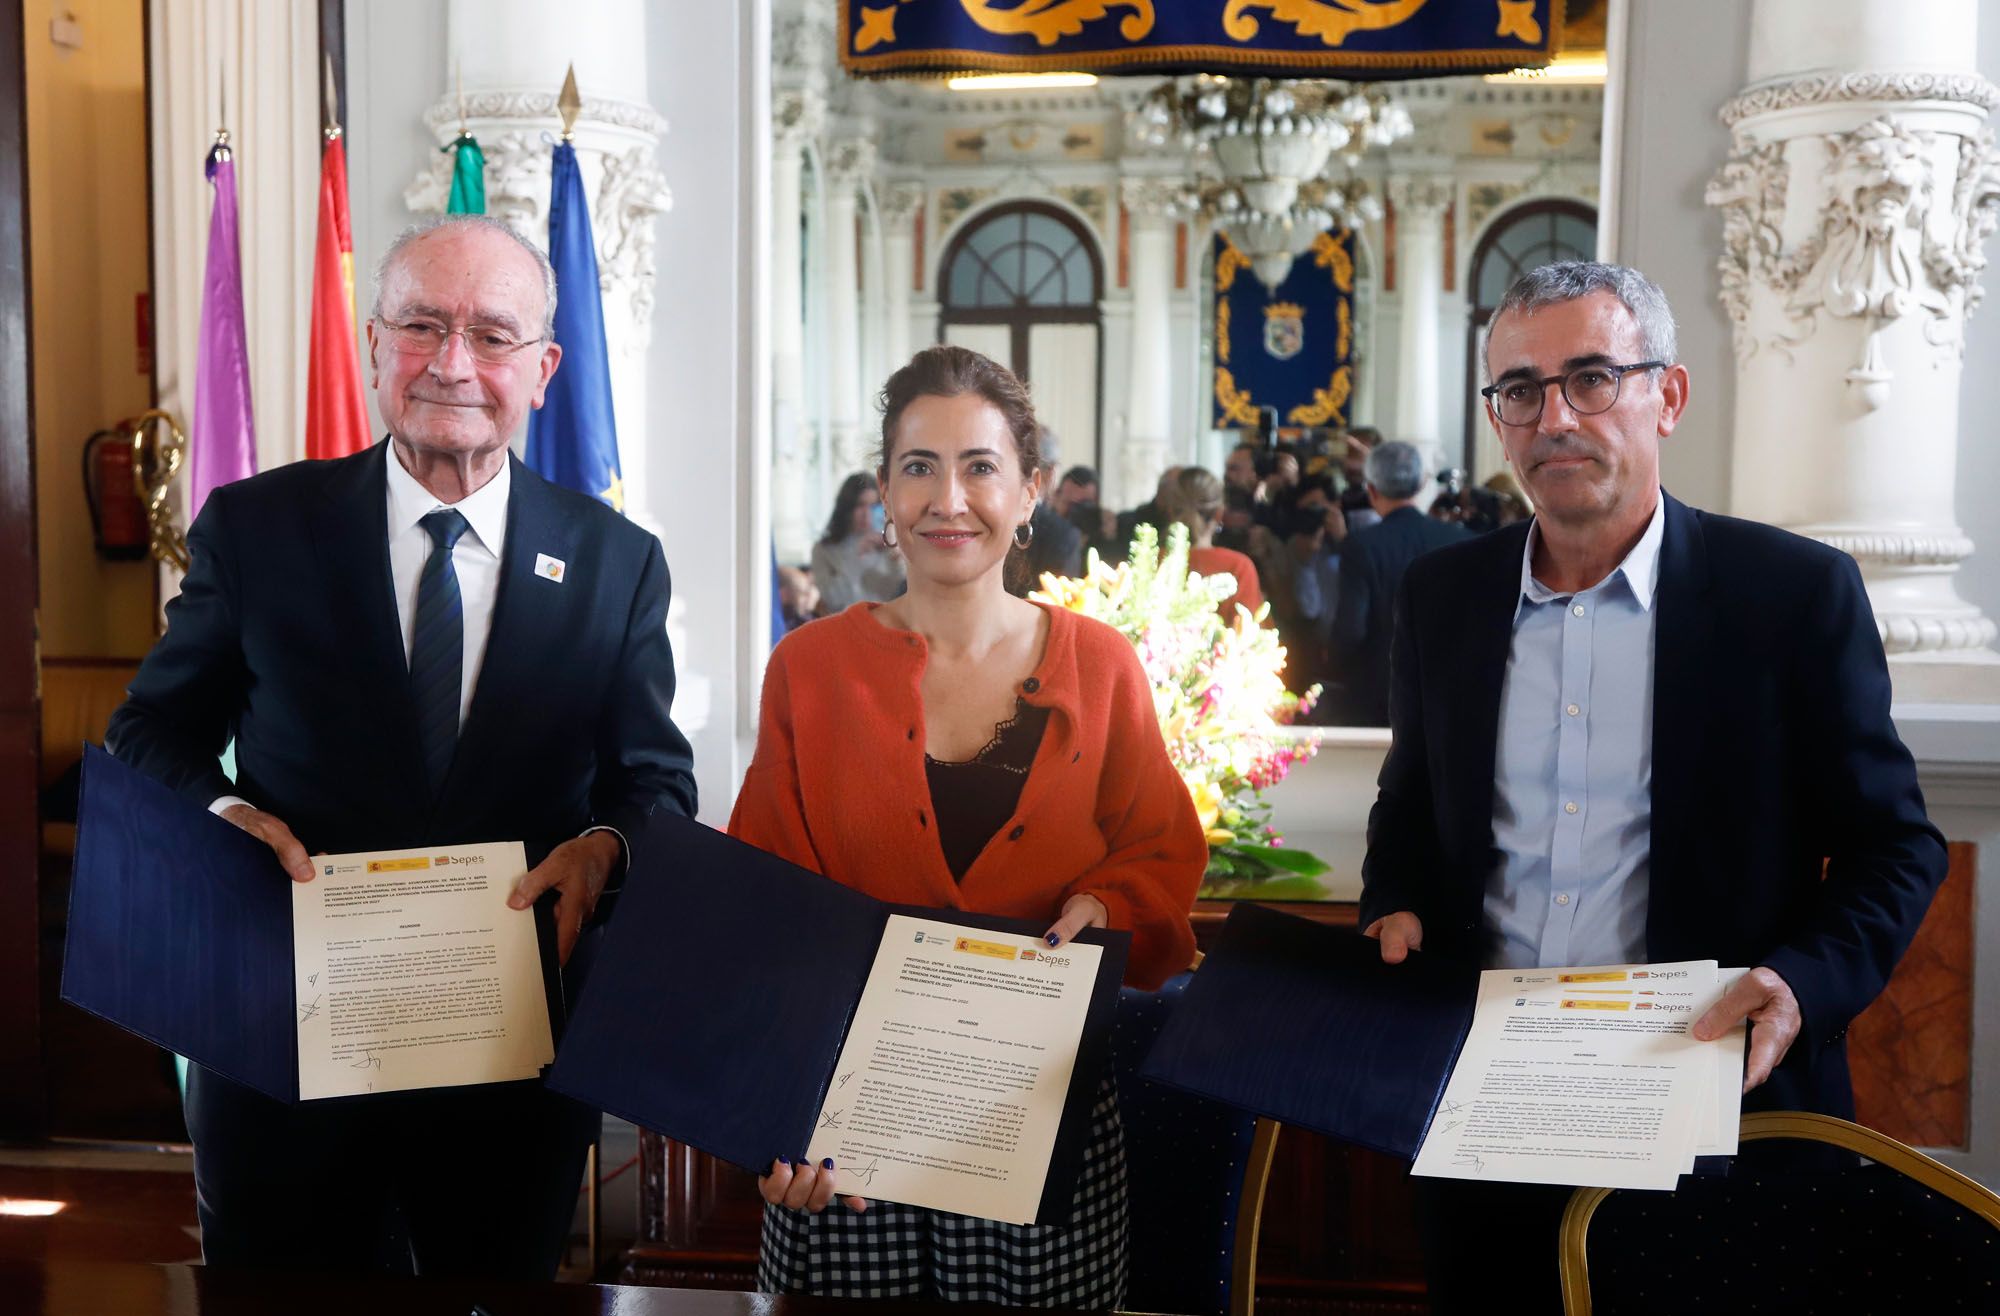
<point x="445" y="859"/>
<point x="1053" y="961"/>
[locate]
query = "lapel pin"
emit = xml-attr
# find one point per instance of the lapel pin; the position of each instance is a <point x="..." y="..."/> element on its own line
<point x="550" y="568"/>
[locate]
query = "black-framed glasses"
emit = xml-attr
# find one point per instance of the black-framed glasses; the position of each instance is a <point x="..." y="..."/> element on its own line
<point x="427" y="338"/>
<point x="1588" y="390"/>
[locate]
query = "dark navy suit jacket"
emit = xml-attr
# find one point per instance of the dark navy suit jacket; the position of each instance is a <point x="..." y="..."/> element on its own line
<point x="1372" y="563"/>
<point x="285" y="636"/>
<point x="1788" y="829"/>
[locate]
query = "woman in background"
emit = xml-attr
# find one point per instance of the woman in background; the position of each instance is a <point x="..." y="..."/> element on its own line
<point x="962" y="748"/>
<point x="1195" y="500"/>
<point x="852" y="563"/>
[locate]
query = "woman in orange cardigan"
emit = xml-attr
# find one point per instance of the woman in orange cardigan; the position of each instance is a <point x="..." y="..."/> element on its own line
<point x="962" y="748"/>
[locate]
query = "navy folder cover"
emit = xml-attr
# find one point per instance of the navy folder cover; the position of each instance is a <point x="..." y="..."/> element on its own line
<point x="716" y="1009"/>
<point x="180" y="929"/>
<point x="1304" y="1023"/>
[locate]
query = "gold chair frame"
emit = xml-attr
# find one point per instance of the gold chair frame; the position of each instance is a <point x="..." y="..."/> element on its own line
<point x="1877" y="1147"/>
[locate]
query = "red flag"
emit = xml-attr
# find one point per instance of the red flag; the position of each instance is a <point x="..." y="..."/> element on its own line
<point x="336" y="416"/>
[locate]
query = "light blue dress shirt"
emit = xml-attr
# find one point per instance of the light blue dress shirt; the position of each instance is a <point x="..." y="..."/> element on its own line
<point x="1573" y="771"/>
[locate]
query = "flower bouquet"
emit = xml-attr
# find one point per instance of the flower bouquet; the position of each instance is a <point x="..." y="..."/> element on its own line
<point x="1220" y="698"/>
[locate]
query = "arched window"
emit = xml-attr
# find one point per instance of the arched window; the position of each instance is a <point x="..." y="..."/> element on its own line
<point x="1539" y="233"/>
<point x="1022" y="284"/>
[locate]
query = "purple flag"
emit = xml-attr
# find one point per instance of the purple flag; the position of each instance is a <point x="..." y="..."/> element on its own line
<point x="222" y="441"/>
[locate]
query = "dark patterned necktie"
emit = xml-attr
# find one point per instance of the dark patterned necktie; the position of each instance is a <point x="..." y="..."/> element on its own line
<point x="437" y="646"/>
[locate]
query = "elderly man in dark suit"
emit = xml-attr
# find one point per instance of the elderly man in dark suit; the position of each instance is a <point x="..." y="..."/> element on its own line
<point x="1372" y="563"/>
<point x="1630" y="730"/>
<point x="422" y="644"/>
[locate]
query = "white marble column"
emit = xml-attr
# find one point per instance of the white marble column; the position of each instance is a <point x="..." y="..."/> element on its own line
<point x="1152" y="204"/>
<point x="849" y="164"/>
<point x="901" y="203"/>
<point x="510" y="62"/>
<point x="1420" y="202"/>
<point x="1857" y="200"/>
<point x="796" y="117"/>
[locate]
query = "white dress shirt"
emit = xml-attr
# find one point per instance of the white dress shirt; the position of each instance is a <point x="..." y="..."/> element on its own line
<point x="1573" y="777"/>
<point x="476" y="559"/>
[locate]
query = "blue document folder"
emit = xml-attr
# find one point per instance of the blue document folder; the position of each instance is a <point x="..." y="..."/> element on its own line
<point x="180" y="930"/>
<point x="1304" y="1024"/>
<point x="716" y="1009"/>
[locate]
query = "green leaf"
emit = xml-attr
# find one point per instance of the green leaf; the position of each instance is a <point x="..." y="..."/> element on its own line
<point x="1302" y="862"/>
<point x="1277" y="888"/>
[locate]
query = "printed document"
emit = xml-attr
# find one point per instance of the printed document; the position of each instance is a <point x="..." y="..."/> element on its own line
<point x="952" y="1079"/>
<point x="414" y="973"/>
<point x="1590" y="1077"/>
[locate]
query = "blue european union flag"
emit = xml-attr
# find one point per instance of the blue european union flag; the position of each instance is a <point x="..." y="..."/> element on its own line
<point x="573" y="439"/>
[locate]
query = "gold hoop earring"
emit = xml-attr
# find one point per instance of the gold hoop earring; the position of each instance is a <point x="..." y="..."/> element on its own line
<point x="1028" y="526"/>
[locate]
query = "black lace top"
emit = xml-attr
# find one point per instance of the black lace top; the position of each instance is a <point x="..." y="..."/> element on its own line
<point x="975" y="798"/>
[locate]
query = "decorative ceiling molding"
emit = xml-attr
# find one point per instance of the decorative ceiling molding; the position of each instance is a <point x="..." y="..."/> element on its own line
<point x="1872" y="85"/>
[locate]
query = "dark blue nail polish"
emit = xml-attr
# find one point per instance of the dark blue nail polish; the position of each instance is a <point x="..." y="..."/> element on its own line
<point x="826" y="1164"/>
<point x="1053" y="939"/>
<point x="784" y="1160"/>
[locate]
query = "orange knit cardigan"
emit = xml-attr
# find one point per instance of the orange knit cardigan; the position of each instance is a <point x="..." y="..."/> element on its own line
<point x="838" y="786"/>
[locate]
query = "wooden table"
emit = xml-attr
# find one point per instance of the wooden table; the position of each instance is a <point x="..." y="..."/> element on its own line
<point x="92" y="1288"/>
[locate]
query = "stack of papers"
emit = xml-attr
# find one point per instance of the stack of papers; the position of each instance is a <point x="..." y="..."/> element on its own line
<point x="1589" y="1076"/>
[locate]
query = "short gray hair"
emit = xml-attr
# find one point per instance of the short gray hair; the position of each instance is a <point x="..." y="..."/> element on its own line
<point x="1395" y="470"/>
<point x="1567" y="280"/>
<point x="423" y="228"/>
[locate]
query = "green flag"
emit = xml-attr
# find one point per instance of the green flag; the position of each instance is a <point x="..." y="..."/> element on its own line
<point x="468" y="178"/>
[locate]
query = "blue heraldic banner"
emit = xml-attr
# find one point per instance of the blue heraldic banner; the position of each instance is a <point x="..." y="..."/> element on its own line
<point x="1277" y="38"/>
<point x="1292" y="349"/>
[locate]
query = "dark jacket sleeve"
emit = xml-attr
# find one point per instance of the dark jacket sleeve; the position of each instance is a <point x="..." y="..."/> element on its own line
<point x="643" y="761"/>
<point x="180" y="709"/>
<point x="1403" y="849"/>
<point x="1884" y="858"/>
<point x="1357" y="586"/>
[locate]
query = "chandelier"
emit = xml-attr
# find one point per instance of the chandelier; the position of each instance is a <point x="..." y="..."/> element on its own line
<point x="1275" y="158"/>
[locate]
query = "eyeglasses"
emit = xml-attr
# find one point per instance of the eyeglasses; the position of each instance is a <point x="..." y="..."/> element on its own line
<point x="1588" y="390"/>
<point x="428" y="337"/>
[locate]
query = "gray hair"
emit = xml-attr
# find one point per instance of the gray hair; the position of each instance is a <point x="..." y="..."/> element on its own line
<point x="1567" y="280"/>
<point x="423" y="228"/>
<point x="1395" y="470"/>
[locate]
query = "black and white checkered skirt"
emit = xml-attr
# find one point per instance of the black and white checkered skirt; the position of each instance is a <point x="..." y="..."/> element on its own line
<point x="896" y="1251"/>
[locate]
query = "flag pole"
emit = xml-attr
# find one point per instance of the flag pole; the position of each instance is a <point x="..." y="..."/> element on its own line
<point x="332" y="124"/>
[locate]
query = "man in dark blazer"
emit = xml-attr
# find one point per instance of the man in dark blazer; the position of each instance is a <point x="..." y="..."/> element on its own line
<point x="1372" y="562"/>
<point x="424" y="644"/>
<point x="1631" y="730"/>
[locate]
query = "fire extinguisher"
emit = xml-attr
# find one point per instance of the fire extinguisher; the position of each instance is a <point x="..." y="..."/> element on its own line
<point x="117" y="516"/>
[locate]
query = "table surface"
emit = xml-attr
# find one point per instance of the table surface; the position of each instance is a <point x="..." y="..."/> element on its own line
<point x="90" y="1288"/>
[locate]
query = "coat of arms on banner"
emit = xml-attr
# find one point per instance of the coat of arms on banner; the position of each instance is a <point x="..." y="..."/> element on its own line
<point x="1284" y="329"/>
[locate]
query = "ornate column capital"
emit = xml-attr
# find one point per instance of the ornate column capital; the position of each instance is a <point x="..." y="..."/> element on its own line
<point x="1870" y="85"/>
<point x="802" y="40"/>
<point x="1423" y="196"/>
<point x="898" y="204"/>
<point x="1856" y="202"/>
<point x="1153" y="199"/>
<point x="850" y="162"/>
<point x="628" y="189"/>
<point x="1893" y="236"/>
<point x="798" y="114"/>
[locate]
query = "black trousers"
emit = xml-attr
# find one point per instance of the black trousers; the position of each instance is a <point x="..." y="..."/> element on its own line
<point x="473" y="1181"/>
<point x="1491" y="1247"/>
